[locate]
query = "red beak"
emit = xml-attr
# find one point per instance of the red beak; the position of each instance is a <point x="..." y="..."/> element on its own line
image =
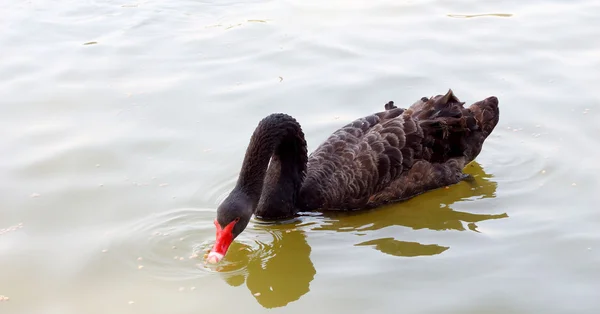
<point x="224" y="238"/>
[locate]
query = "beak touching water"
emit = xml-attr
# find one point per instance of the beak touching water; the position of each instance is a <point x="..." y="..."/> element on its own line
<point x="224" y="238"/>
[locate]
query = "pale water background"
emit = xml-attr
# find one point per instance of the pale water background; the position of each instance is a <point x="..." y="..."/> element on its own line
<point x="125" y="123"/>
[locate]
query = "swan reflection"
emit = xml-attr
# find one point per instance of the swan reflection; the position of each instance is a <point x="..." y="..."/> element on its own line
<point x="280" y="271"/>
<point x="429" y="211"/>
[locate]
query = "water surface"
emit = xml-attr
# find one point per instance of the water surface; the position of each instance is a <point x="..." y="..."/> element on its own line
<point x="125" y="123"/>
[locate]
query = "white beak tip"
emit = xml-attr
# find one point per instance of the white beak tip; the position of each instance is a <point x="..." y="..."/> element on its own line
<point x="214" y="258"/>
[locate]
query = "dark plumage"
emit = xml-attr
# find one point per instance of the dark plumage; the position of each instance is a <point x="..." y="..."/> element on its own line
<point x="382" y="158"/>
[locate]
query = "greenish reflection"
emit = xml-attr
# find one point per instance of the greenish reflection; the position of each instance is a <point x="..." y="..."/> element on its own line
<point x="428" y="211"/>
<point x="280" y="272"/>
<point x="394" y="247"/>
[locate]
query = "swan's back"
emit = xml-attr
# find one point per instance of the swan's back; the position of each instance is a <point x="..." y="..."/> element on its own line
<point x="396" y="154"/>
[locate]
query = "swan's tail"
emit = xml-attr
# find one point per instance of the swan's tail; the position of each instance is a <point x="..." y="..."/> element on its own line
<point x="451" y="130"/>
<point x="487" y="114"/>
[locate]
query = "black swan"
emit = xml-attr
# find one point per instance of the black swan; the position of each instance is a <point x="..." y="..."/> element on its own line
<point x="379" y="159"/>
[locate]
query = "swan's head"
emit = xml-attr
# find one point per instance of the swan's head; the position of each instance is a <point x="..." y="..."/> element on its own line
<point x="233" y="216"/>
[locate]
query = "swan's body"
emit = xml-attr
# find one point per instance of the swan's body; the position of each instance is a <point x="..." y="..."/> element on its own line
<point x="383" y="158"/>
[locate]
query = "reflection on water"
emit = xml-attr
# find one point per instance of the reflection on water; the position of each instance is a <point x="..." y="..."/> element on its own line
<point x="272" y="280"/>
<point x="267" y="270"/>
<point x="467" y="16"/>
<point x="394" y="247"/>
<point x="429" y="211"/>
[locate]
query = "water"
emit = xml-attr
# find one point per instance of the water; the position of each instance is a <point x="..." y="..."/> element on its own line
<point x="125" y="123"/>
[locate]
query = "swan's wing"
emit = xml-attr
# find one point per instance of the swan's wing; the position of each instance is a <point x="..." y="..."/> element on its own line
<point x="357" y="160"/>
<point x="374" y="154"/>
<point x="452" y="137"/>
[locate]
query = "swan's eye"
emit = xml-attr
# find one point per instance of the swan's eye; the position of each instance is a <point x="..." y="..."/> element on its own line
<point x="237" y="219"/>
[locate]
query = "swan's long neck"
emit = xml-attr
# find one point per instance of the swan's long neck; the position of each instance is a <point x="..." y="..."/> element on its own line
<point x="273" y="188"/>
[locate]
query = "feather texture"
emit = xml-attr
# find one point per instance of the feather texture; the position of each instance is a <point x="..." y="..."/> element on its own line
<point x="396" y="154"/>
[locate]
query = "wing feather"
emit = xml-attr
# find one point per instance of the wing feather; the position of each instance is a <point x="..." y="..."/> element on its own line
<point x="396" y="153"/>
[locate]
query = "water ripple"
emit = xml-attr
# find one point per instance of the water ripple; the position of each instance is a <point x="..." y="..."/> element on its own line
<point x="172" y="245"/>
<point x="522" y="172"/>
